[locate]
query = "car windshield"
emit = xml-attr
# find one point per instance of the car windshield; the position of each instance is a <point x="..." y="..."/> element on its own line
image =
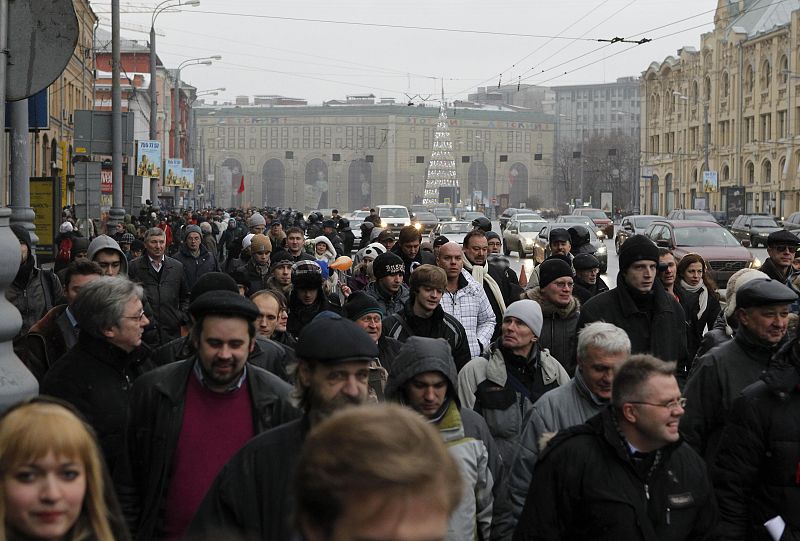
<point x="530" y="227"/>
<point x="361" y="214"/>
<point x="764" y="222"/>
<point x="701" y="216"/>
<point x="527" y="216"/>
<point x="585" y="220"/>
<point x="456" y="228"/>
<point x="425" y="216"/>
<point x="401" y="212"/>
<point x="704" y="236"/>
<point x="594" y="214"/>
<point x="642" y="223"/>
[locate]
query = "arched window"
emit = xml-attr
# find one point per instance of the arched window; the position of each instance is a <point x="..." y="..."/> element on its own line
<point x="749" y="79"/>
<point x="726" y="173"/>
<point x="695" y="92"/>
<point x="707" y="89"/>
<point x="766" y="74"/>
<point x="726" y="85"/>
<point x="766" y="172"/>
<point x="784" y="75"/>
<point x="782" y="167"/>
<point x="750" y="172"/>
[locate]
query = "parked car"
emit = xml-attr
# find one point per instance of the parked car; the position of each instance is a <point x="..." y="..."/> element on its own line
<point x="359" y="214"/>
<point x="517" y="214"/>
<point x="572" y="219"/>
<point x="454" y="231"/>
<point x="691" y="214"/>
<point x="632" y="225"/>
<point x="753" y="229"/>
<point x="599" y="218"/>
<point x="542" y="246"/>
<point x="424" y="221"/>
<point x="520" y="236"/>
<point x="723" y="253"/>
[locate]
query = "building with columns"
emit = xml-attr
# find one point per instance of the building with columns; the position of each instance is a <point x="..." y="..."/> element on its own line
<point x="369" y="152"/>
<point x="730" y="107"/>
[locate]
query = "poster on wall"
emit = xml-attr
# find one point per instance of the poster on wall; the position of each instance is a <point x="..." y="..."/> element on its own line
<point x="106" y="189"/>
<point x="187" y="178"/>
<point x="710" y="182"/>
<point x="148" y="159"/>
<point x="174" y="172"/>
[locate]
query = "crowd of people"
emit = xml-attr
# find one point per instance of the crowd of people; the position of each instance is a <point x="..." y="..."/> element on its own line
<point x="197" y="372"/>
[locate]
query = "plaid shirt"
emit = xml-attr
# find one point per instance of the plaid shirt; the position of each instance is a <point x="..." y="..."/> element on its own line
<point x="470" y="305"/>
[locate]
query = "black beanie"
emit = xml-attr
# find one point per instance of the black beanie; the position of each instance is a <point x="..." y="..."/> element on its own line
<point x="387" y="264"/>
<point x="213" y="281"/>
<point x="637" y="248"/>
<point x="553" y="269"/>
<point x="22" y="234"/>
<point x="360" y="304"/>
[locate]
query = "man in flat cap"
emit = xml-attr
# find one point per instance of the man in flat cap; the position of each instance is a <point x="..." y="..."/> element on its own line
<point x="641" y="306"/>
<point x="718" y="377"/>
<point x="250" y="499"/>
<point x="214" y="401"/>
<point x="781" y="249"/>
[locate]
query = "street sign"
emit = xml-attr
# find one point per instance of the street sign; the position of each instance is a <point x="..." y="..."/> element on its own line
<point x="93" y="133"/>
<point x="87" y="190"/>
<point x="41" y="40"/>
<point x="38" y="115"/>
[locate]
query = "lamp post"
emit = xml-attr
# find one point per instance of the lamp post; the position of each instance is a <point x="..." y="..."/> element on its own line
<point x="205" y="61"/>
<point x="166" y="4"/>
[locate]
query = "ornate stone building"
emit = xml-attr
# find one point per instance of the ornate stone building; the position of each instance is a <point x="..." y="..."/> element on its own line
<point x="358" y="155"/>
<point x="730" y="107"/>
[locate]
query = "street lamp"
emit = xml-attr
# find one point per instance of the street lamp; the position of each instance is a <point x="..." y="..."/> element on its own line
<point x="202" y="61"/>
<point x="166" y="4"/>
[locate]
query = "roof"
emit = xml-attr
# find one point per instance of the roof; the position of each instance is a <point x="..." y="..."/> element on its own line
<point x="102" y="42"/>
<point x="761" y="16"/>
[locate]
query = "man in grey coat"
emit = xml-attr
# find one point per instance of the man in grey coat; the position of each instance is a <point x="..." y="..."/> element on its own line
<point x="602" y="347"/>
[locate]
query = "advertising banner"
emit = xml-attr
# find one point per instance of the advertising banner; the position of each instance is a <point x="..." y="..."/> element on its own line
<point x="148" y="159"/>
<point x="174" y="172"/>
<point x="187" y="178"/>
<point x="710" y="182"/>
<point x="607" y="202"/>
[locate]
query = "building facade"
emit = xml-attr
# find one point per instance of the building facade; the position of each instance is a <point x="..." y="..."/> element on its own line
<point x="730" y="108"/>
<point x="356" y="156"/>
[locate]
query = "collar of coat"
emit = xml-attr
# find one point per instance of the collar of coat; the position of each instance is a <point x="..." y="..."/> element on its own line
<point x="551" y="310"/>
<point x="497" y="373"/>
<point x="661" y="298"/>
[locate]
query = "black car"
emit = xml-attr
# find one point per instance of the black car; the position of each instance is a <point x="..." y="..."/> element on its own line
<point x="754" y="228"/>
<point x="632" y="225"/>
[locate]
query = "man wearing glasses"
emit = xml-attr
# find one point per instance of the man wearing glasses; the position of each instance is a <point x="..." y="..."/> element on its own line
<point x="626" y="473"/>
<point x="781" y="249"/>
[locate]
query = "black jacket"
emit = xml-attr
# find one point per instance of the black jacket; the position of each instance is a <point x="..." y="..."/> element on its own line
<point x="690" y="302"/>
<point x="96" y="377"/>
<point x="422" y="258"/>
<point x="586" y="486"/>
<point x="195" y="267"/>
<point x="583" y="291"/>
<point x="49" y="339"/>
<point x="167" y="293"/>
<point x="716" y="382"/>
<point x="251" y="498"/>
<point x="660" y="331"/>
<point x="403" y="324"/>
<point x="758" y="464"/>
<point x="301" y="315"/>
<point x="154" y="425"/>
<point x="559" y="329"/>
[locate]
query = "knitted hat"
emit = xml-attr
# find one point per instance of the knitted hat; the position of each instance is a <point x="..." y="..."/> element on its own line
<point x="360" y="304"/>
<point x="127" y="238"/>
<point x="22" y="234"/>
<point x="527" y="311"/>
<point x="256" y="219"/>
<point x="387" y="264"/>
<point x="280" y="259"/>
<point x="260" y="243"/>
<point x="492" y="235"/>
<point x="192" y="229"/>
<point x="352" y="342"/>
<point x="213" y="281"/>
<point x="374" y="250"/>
<point x="551" y="270"/>
<point x="306" y="275"/>
<point x="637" y="248"/>
<point x="66" y="227"/>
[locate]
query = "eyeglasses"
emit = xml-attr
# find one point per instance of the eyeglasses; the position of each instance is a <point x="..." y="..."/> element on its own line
<point x="671" y="406"/>
<point x="785" y="248"/>
<point x="564" y="285"/>
<point x="139" y="317"/>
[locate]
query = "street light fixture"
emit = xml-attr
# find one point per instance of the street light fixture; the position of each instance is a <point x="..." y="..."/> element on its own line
<point x="160" y="8"/>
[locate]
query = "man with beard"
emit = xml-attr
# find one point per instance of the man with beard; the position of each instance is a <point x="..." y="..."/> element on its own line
<point x="213" y="400"/>
<point x="251" y="497"/>
<point x="587" y="277"/>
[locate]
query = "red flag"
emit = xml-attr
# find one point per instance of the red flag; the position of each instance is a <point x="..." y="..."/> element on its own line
<point x="241" y="186"/>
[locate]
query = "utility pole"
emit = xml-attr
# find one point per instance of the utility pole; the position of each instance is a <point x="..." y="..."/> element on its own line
<point x="154" y="114"/>
<point x="117" y="212"/>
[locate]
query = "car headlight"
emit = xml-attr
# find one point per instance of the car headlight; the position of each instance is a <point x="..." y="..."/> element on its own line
<point x="601" y="234"/>
<point x="602" y="250"/>
<point x="755" y="263"/>
<point x="417" y="226"/>
<point x="528" y="241"/>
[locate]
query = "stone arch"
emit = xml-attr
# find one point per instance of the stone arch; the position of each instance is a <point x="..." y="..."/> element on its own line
<point x="726" y="173"/>
<point x="316" y="185"/>
<point x="273" y="183"/>
<point x="478" y="180"/>
<point x="517" y="184"/>
<point x="359" y="184"/>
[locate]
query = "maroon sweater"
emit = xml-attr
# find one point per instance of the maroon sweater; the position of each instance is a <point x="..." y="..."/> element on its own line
<point x="215" y="427"/>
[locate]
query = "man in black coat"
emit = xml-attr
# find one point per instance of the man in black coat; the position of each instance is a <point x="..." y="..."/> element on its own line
<point x="781" y="248"/>
<point x="195" y="256"/>
<point x="625" y="474"/>
<point x="640" y="306"/>
<point x="407" y="247"/>
<point x="251" y="497"/>
<point x="200" y="401"/>
<point x="164" y="284"/>
<point x="587" y="278"/>
<point x="759" y="457"/>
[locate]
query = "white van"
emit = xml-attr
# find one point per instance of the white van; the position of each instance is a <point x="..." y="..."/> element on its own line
<point x="393" y="217"/>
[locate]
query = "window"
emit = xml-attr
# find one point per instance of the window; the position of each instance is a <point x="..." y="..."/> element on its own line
<point x="766" y="172"/>
<point x="765" y="131"/>
<point x="784" y="74"/>
<point x="782" y="124"/>
<point x="766" y="75"/>
<point x="749" y="79"/>
<point x="726" y="85"/>
<point x="750" y="172"/>
<point x="707" y="89"/>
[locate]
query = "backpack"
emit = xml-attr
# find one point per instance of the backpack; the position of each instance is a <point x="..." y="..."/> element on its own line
<point x="64" y="250"/>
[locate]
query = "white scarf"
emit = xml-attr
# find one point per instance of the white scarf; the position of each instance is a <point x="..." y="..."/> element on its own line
<point x="702" y="298"/>
<point x="481" y="274"/>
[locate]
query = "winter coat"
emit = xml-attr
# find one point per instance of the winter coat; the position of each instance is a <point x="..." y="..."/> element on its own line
<point x="36" y="296"/>
<point x="586" y="486"/>
<point x="720" y="333"/>
<point x="470" y="306"/>
<point x="390" y="304"/>
<point x="476" y="511"/>
<point x="719" y="377"/>
<point x="403" y="324"/>
<point x="509" y="292"/>
<point x="252" y="497"/>
<point x="787" y="278"/>
<point x="256" y="276"/>
<point x="559" y="329"/>
<point x="690" y="302"/>
<point x="49" y="339"/>
<point x="484" y="385"/>
<point x="156" y="416"/>
<point x="569" y="405"/>
<point x="759" y="455"/>
<point x="660" y="331"/>
<point x="210" y="242"/>
<point x="195" y="267"/>
<point x="267" y="355"/>
<point x="95" y="377"/>
<point x="167" y="293"/>
<point x="301" y="315"/>
<point x="583" y="291"/>
<point x="422" y="258"/>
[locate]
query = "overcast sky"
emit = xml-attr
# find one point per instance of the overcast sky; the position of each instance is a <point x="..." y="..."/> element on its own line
<point x="266" y="50"/>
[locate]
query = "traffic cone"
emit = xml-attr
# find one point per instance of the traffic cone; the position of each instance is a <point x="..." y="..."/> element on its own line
<point x="523" y="276"/>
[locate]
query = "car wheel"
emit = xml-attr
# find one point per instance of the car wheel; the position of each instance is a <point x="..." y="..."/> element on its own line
<point x="506" y="251"/>
<point x="521" y="251"/>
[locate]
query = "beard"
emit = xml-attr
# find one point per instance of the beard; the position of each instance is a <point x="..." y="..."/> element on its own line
<point x="320" y="408"/>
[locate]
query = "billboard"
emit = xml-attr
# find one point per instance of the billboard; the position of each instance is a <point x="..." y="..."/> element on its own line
<point x="106" y="189"/>
<point x="148" y="159"/>
<point x="173" y="173"/>
<point x="710" y="182"/>
<point x="187" y="178"/>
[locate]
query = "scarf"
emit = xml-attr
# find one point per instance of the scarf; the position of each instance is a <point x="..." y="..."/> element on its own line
<point x="481" y="275"/>
<point x="702" y="298"/>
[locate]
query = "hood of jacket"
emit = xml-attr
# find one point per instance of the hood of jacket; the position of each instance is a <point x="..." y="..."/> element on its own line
<point x="551" y="310"/>
<point x="418" y="355"/>
<point x="104" y="242"/>
<point x="327" y="241"/>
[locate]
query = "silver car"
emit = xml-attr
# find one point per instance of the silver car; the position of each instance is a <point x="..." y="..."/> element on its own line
<point x="454" y="231"/>
<point x="520" y="236"/>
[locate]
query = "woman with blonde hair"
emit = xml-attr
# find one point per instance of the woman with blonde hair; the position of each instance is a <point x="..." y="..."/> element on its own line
<point x="54" y="482"/>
